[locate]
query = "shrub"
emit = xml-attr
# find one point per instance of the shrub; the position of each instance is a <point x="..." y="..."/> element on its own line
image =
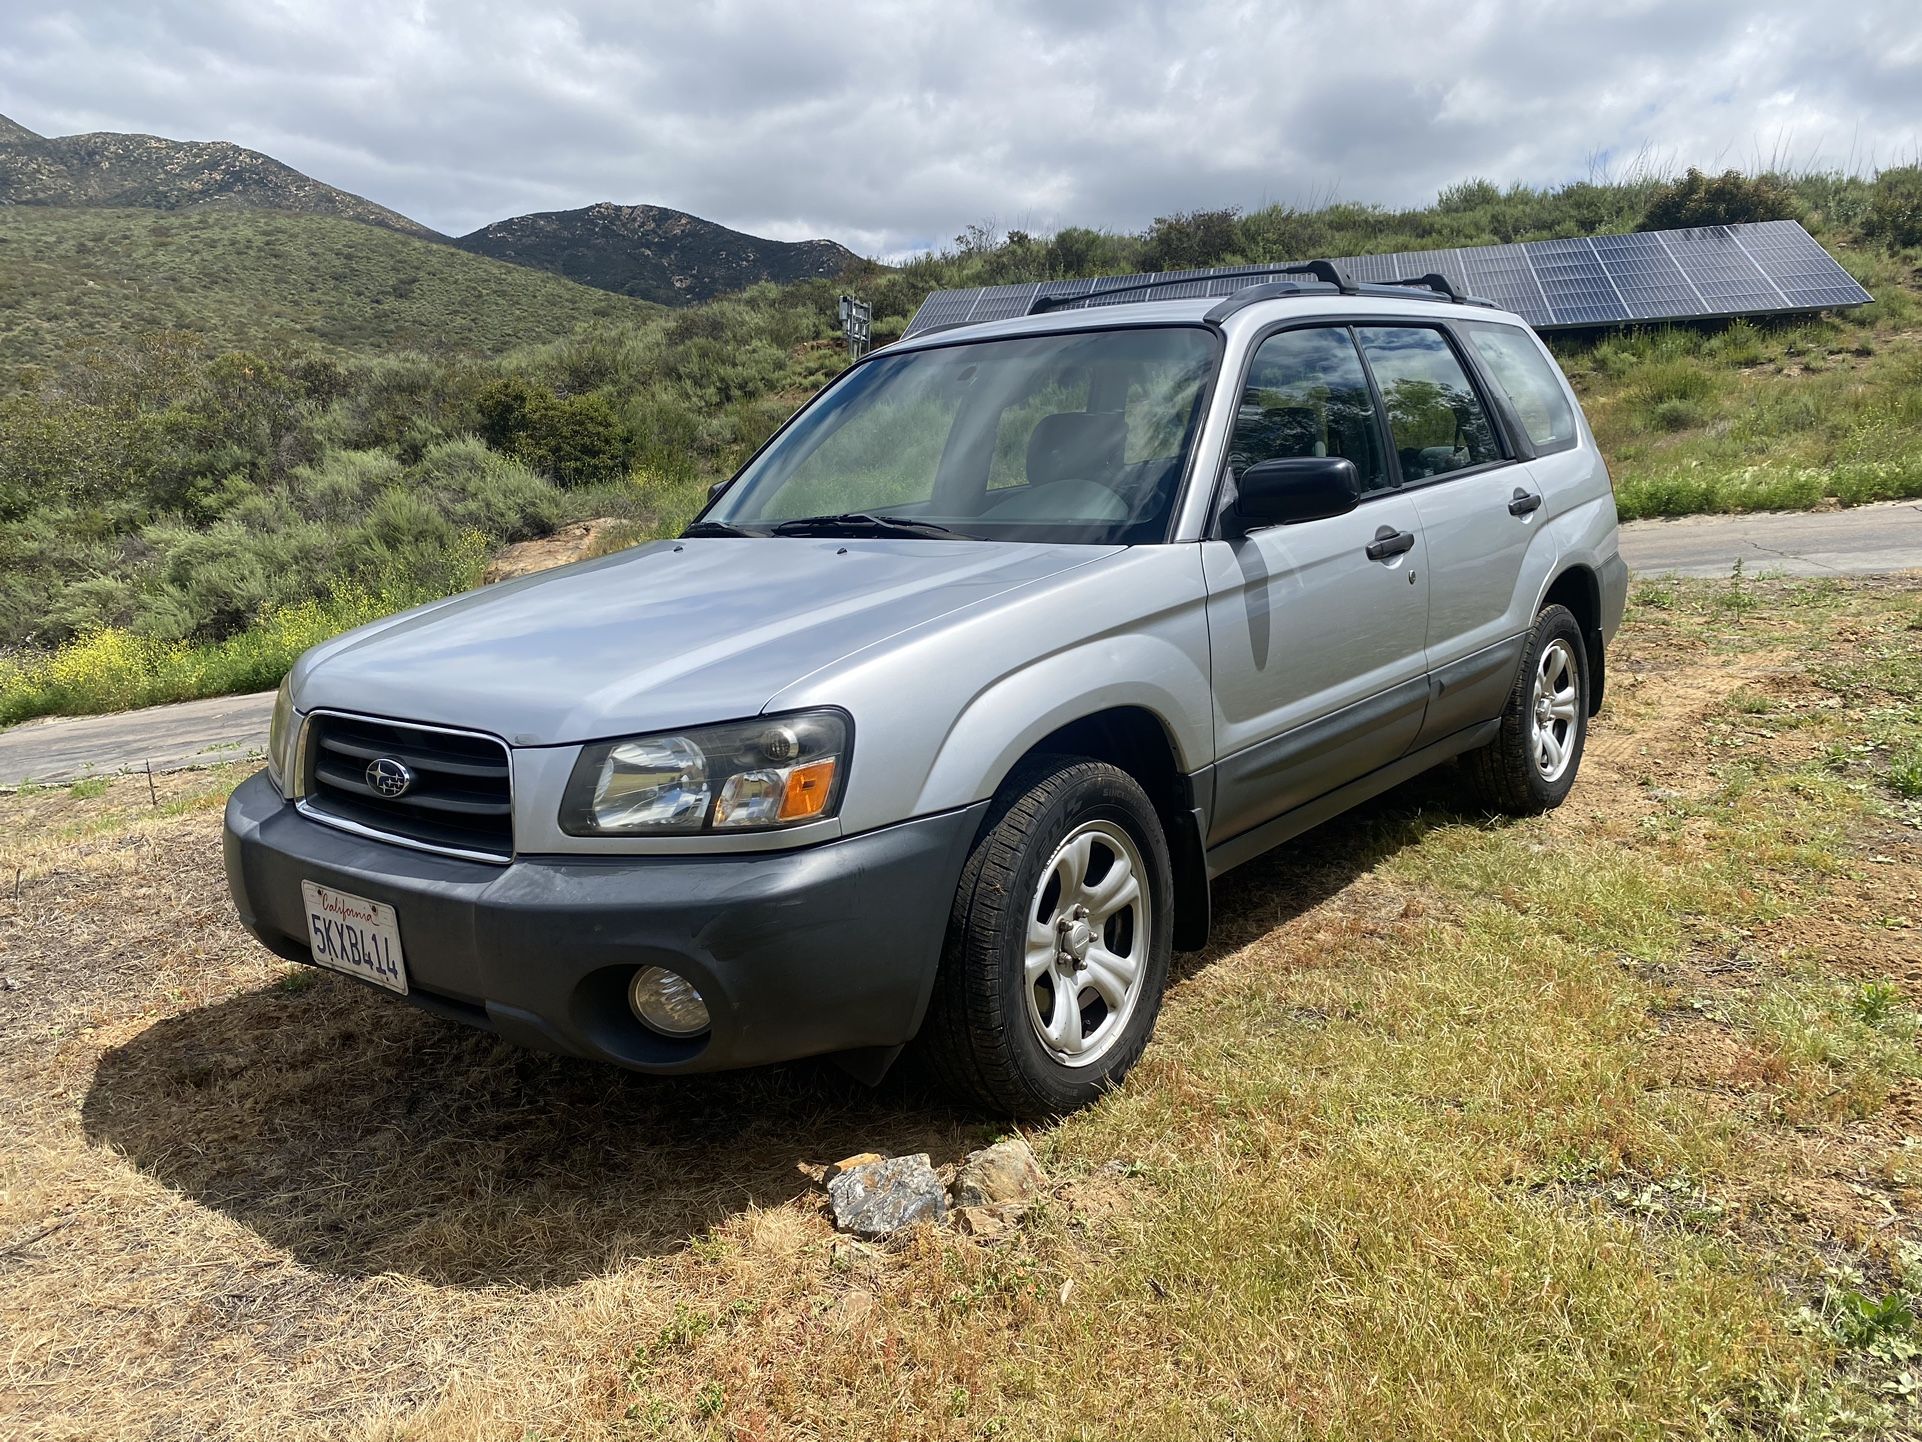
<point x="1895" y="208"/>
<point x="1677" y="415"/>
<point x="1476" y="194"/>
<point x="483" y="491"/>
<point x="1192" y="238"/>
<point x="1730" y="198"/>
<point x="573" y="440"/>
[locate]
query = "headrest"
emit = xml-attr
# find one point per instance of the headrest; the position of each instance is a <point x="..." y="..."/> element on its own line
<point x="1090" y="445"/>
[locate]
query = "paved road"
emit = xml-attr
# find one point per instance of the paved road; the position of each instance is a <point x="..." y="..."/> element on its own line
<point x="172" y="738"/>
<point x="1864" y="540"/>
<point x="1861" y="541"/>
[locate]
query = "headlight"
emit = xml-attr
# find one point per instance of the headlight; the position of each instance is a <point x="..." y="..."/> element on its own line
<point x="745" y="776"/>
<point x="283" y="732"/>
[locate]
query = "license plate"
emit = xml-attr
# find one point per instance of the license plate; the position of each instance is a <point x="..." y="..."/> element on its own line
<point x="355" y="935"/>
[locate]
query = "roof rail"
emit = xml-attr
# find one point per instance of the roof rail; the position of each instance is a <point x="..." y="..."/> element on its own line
<point x="1252" y="295"/>
<point x="1320" y="269"/>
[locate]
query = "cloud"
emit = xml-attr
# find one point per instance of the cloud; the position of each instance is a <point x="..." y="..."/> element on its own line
<point x="890" y="126"/>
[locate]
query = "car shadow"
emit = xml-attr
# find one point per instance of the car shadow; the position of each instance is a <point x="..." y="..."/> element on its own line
<point x="364" y="1137"/>
<point x="1274" y="889"/>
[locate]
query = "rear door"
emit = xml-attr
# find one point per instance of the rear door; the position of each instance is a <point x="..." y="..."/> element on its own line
<point x="1317" y="649"/>
<point x="1480" y="509"/>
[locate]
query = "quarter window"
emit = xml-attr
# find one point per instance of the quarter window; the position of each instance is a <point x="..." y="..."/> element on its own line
<point x="1528" y="379"/>
<point x="1434" y="416"/>
<point x="1307" y="395"/>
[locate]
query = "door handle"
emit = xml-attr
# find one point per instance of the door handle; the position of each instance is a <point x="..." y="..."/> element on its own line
<point x="1523" y="503"/>
<point x="1390" y="542"/>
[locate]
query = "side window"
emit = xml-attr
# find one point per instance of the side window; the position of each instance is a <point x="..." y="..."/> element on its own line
<point x="1434" y="416"/>
<point x="1307" y="395"/>
<point x="1528" y="379"/>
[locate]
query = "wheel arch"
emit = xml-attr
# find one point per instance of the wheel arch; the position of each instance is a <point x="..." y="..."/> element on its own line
<point x="1578" y="588"/>
<point x="1137" y="740"/>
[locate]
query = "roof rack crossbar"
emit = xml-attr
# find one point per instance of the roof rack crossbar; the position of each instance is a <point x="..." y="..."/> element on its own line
<point x="1325" y="270"/>
<point x="1434" y="280"/>
<point x="1320" y="269"/>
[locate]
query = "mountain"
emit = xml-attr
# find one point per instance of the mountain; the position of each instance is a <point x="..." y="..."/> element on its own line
<point x="240" y="277"/>
<point x="642" y="251"/>
<point x="656" y="254"/>
<point x="151" y="173"/>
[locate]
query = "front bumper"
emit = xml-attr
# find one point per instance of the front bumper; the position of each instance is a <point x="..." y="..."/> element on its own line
<point x="824" y="949"/>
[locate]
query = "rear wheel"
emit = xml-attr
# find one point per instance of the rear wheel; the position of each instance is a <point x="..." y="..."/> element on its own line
<point x="1058" y="944"/>
<point x="1531" y="764"/>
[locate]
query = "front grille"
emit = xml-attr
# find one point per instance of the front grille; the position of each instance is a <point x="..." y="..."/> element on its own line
<point x="459" y="799"/>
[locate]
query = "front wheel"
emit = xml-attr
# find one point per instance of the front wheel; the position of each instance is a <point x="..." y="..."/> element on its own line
<point x="1058" y="944"/>
<point x="1531" y="764"/>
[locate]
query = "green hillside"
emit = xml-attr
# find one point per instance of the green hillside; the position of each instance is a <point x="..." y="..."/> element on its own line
<point x="257" y="278"/>
<point x="182" y="514"/>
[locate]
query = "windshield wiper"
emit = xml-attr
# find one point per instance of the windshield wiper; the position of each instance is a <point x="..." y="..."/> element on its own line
<point x="718" y="528"/>
<point x="862" y="523"/>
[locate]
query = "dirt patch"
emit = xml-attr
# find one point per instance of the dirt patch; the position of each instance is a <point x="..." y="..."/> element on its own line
<point x="581" y="541"/>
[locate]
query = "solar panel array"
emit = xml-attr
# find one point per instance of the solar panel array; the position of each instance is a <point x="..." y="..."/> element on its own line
<point x="1766" y="267"/>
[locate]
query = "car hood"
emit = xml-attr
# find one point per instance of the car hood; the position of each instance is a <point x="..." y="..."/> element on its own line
<point x="669" y="634"/>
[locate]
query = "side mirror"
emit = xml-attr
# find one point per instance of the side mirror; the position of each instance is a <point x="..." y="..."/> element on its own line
<point x="1291" y="489"/>
<point x="714" y="491"/>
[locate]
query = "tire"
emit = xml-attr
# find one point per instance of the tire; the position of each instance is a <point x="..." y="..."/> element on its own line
<point x="1518" y="773"/>
<point x="992" y="1014"/>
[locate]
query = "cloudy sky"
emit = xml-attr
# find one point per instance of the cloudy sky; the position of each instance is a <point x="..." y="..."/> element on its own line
<point x="890" y="126"/>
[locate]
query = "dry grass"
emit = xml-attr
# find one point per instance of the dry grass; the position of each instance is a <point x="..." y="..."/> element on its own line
<point x="1585" y="1126"/>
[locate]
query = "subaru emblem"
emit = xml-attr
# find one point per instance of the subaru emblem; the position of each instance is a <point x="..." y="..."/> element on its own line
<point x="389" y="777"/>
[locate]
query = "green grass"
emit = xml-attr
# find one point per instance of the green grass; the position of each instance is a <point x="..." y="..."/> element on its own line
<point x="249" y="279"/>
<point x="1763" y="416"/>
<point x="1480" y="1195"/>
<point x="115" y="670"/>
<point x="1588" y="1125"/>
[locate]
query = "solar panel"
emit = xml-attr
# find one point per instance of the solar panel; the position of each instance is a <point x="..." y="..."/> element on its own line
<point x="1771" y="267"/>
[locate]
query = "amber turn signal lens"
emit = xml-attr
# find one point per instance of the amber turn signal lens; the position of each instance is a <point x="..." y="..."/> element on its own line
<point x="808" y="789"/>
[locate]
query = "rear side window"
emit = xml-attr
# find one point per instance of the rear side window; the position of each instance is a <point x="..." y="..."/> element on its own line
<point x="1528" y="379"/>
<point x="1434" y="415"/>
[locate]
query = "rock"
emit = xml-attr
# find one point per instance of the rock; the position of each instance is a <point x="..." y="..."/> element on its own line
<point x="984" y="1224"/>
<point x="848" y="1164"/>
<point x="881" y="1198"/>
<point x="852" y="1311"/>
<point x="1664" y="793"/>
<point x="1003" y="1175"/>
<point x="578" y="542"/>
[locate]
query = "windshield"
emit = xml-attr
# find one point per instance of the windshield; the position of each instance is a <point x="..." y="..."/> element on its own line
<point x="1080" y="436"/>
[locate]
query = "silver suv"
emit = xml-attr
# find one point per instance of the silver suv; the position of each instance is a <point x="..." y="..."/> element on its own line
<point x="936" y="726"/>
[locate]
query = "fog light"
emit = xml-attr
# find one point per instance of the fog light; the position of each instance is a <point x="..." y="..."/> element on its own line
<point x="667" y="1001"/>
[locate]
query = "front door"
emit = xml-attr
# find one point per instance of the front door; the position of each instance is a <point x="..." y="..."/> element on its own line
<point x="1318" y="649"/>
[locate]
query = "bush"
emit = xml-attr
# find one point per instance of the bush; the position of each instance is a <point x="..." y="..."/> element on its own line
<point x="1895" y="208"/>
<point x="1467" y="195"/>
<point x="482" y="491"/>
<point x="1677" y="415"/>
<point x="1730" y="198"/>
<point x="573" y="440"/>
<point x="1192" y="238"/>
